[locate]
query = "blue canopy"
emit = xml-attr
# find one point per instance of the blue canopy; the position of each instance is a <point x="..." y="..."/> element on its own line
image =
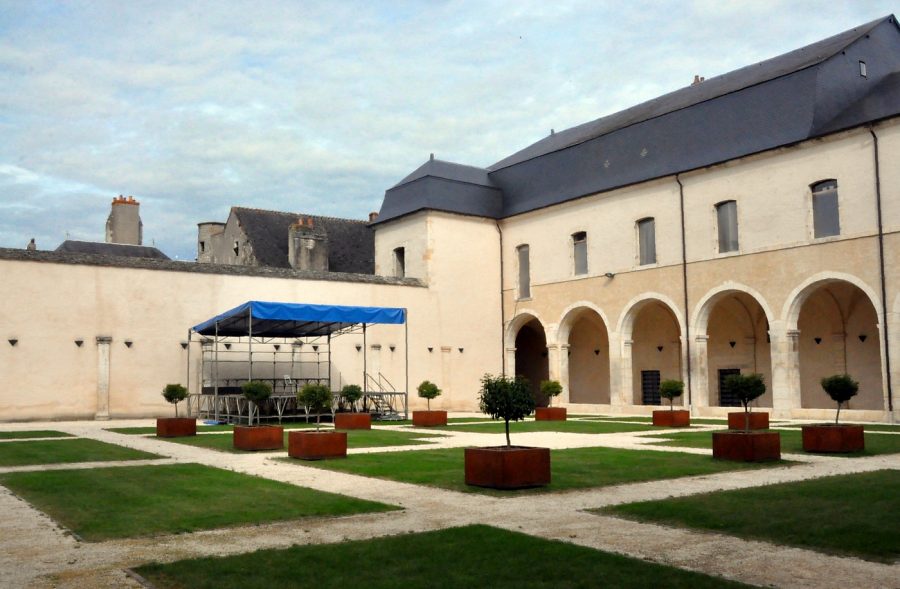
<point x="266" y="319"/>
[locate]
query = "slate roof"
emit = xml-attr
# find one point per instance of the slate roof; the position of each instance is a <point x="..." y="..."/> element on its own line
<point x="111" y="249"/>
<point x="802" y="94"/>
<point x="351" y="244"/>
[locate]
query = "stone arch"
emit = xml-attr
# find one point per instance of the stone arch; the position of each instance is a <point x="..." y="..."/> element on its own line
<point x="515" y="324"/>
<point x="528" y="354"/>
<point x="626" y="320"/>
<point x="703" y="309"/>
<point x="583" y="338"/>
<point x="791" y="310"/>
<point x="570" y="314"/>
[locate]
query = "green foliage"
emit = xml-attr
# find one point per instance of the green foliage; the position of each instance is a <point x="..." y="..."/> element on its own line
<point x="841" y="388"/>
<point x="352" y="393"/>
<point x="669" y="389"/>
<point x="551" y="388"/>
<point x="316" y="398"/>
<point x="746" y="387"/>
<point x="509" y="399"/>
<point x="256" y="391"/>
<point x="428" y="390"/>
<point x="174" y="393"/>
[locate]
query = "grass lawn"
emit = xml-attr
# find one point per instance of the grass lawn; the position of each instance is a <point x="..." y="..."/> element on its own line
<point x="142" y="431"/>
<point x="649" y="419"/>
<point x="569" y="426"/>
<point x="848" y="514"/>
<point x="65" y="451"/>
<point x="355" y="439"/>
<point x="868" y="427"/>
<point x="791" y="441"/>
<point x="34" y="433"/>
<point x="102" y="503"/>
<point x="576" y="468"/>
<point x="472" y="556"/>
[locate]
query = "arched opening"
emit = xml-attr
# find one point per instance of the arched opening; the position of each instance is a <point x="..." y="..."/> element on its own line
<point x="531" y="357"/>
<point x="839" y="333"/>
<point x="655" y="351"/>
<point x="588" y="357"/>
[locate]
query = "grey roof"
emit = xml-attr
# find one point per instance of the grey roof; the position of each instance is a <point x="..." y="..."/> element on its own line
<point x="803" y="94"/>
<point x="351" y="244"/>
<point x="111" y="249"/>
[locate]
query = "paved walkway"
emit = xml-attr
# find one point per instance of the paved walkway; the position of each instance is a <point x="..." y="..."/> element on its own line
<point x="35" y="552"/>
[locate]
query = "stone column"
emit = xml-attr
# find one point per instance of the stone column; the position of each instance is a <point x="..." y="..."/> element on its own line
<point x="700" y="371"/>
<point x="510" y="361"/>
<point x="892" y="347"/>
<point x="103" y="342"/>
<point x="622" y="391"/>
<point x="785" y="349"/>
<point x="558" y="360"/>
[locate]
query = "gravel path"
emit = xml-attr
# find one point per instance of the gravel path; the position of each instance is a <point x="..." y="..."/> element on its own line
<point x="35" y="552"/>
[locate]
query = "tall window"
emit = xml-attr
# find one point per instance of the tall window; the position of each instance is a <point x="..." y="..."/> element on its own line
<point x="726" y="216"/>
<point x="400" y="262"/>
<point x="524" y="272"/>
<point x="647" y="240"/>
<point x="826" y="217"/>
<point x="579" y="252"/>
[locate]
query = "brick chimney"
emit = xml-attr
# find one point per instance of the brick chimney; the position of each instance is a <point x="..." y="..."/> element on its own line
<point x="124" y="222"/>
<point x="373" y="216"/>
<point x="307" y="245"/>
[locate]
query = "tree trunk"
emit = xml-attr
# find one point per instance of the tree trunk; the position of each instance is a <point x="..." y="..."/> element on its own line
<point x="507" y="434"/>
<point x="838" y="415"/>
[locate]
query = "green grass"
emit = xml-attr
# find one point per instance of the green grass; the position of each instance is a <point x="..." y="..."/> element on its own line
<point x="472" y="556"/>
<point x="34" y="433"/>
<point x="142" y="431"/>
<point x="850" y="514"/>
<point x="103" y="503"/>
<point x="65" y="451"/>
<point x="868" y="427"/>
<point x="649" y="419"/>
<point x="575" y="427"/>
<point x="355" y="439"/>
<point x="791" y="441"/>
<point x="577" y="468"/>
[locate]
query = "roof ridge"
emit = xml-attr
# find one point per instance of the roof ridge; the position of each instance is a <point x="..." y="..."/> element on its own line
<point x="110" y="243"/>
<point x="258" y="210"/>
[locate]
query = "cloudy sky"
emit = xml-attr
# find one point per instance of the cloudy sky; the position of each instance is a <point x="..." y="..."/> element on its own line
<point x="318" y="107"/>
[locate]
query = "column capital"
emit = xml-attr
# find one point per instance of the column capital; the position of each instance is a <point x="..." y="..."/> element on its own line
<point x="628" y="342"/>
<point x="104" y="339"/>
<point x="510" y="349"/>
<point x="701" y="339"/>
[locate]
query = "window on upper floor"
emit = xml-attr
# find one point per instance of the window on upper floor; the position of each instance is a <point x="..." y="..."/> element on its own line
<point x="863" y="70"/>
<point x="579" y="252"/>
<point x="202" y="246"/>
<point x="236" y="248"/>
<point x="726" y="220"/>
<point x="826" y="216"/>
<point x="647" y="241"/>
<point x="400" y="262"/>
<point x="524" y="272"/>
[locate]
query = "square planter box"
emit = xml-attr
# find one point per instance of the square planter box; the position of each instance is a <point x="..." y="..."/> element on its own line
<point x="352" y="421"/>
<point x="259" y="437"/>
<point x="176" y="427"/>
<point x="758" y="420"/>
<point x="317" y="445"/>
<point x="827" y="437"/>
<point x="429" y="418"/>
<point x="507" y="467"/>
<point x="743" y="446"/>
<point x="550" y="414"/>
<point x="676" y="418"/>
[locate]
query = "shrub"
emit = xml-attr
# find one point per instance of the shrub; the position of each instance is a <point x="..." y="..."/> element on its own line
<point x="746" y="387"/>
<point x="506" y="398"/>
<point x="669" y="389"/>
<point x="174" y="393"/>
<point x="841" y="388"/>
<point x="551" y="388"/>
<point x="351" y="393"/>
<point x="316" y="397"/>
<point x="428" y="391"/>
<point x="256" y="391"/>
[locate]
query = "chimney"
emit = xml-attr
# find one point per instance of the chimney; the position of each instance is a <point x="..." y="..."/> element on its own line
<point x="697" y="80"/>
<point x="373" y="216"/>
<point x="307" y="245"/>
<point x="124" y="222"/>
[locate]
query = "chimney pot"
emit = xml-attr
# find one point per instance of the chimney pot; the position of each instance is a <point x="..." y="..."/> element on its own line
<point x="373" y="216"/>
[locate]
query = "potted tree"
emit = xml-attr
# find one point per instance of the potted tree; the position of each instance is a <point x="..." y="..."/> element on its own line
<point x="175" y="427"/>
<point x="428" y="390"/>
<point x="507" y="467"/>
<point x="352" y="393"/>
<point x="746" y="445"/>
<point x="316" y="445"/>
<point x="833" y="437"/>
<point x="257" y="437"/>
<point x="669" y="389"/>
<point x="550" y="388"/>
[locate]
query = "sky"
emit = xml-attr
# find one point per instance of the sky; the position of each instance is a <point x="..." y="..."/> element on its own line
<point x="319" y="107"/>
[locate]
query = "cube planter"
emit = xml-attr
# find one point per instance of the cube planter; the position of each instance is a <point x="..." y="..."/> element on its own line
<point x="258" y="437"/>
<point x="507" y="467"/>
<point x="746" y="446"/>
<point x="828" y="437"/>
<point x="352" y="421"/>
<point x="550" y="414"/>
<point x="429" y="418"/>
<point x="317" y="445"/>
<point x="672" y="418"/>
<point x="758" y="420"/>
<point x="176" y="427"/>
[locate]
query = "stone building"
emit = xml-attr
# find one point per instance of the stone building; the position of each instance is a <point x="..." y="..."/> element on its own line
<point x="124" y="234"/>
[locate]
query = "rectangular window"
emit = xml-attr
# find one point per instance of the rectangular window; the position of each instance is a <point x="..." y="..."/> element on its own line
<point x="400" y="262"/>
<point x="579" y="251"/>
<point x="647" y="241"/>
<point x="863" y="71"/>
<point x="524" y="272"/>
<point x="726" y="397"/>
<point x="826" y="217"/>
<point x="726" y="216"/>
<point x="650" y="387"/>
<point x="202" y="246"/>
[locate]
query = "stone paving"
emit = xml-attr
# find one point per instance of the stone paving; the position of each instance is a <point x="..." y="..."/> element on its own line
<point x="36" y="552"/>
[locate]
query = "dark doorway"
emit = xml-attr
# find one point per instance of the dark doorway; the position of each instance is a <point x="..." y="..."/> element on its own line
<point x="650" y="387"/>
<point x="726" y="397"/>
<point x="531" y="358"/>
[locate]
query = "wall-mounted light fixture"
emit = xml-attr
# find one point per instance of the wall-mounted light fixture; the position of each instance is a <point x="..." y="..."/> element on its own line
<point x="297" y="344"/>
<point x="609" y="275"/>
<point x="818" y="340"/>
<point x="315" y="348"/>
<point x="460" y="350"/>
<point x="430" y="349"/>
<point x="79" y="342"/>
<point x="392" y="347"/>
<point x="659" y="348"/>
<point x="184" y="345"/>
<point x="128" y="343"/>
<point x="597" y="352"/>
<point x="862" y="337"/>
<point x="13" y="341"/>
<point x="358" y="347"/>
<point x="227" y="346"/>
<point x="732" y="343"/>
<point x="276" y="346"/>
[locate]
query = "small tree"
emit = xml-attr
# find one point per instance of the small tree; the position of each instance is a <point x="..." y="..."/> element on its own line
<point x="256" y="391"/>
<point x="315" y="397"/>
<point x="669" y="389"/>
<point x="428" y="391"/>
<point x="747" y="388"/>
<point x="174" y="393"/>
<point x="841" y="388"/>
<point x="506" y="398"/>
<point x="550" y="388"/>
<point x="351" y="393"/>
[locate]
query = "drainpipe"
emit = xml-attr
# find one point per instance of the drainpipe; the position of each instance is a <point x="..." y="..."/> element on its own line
<point x="502" y="304"/>
<point x="884" y="308"/>
<point x="684" y="284"/>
